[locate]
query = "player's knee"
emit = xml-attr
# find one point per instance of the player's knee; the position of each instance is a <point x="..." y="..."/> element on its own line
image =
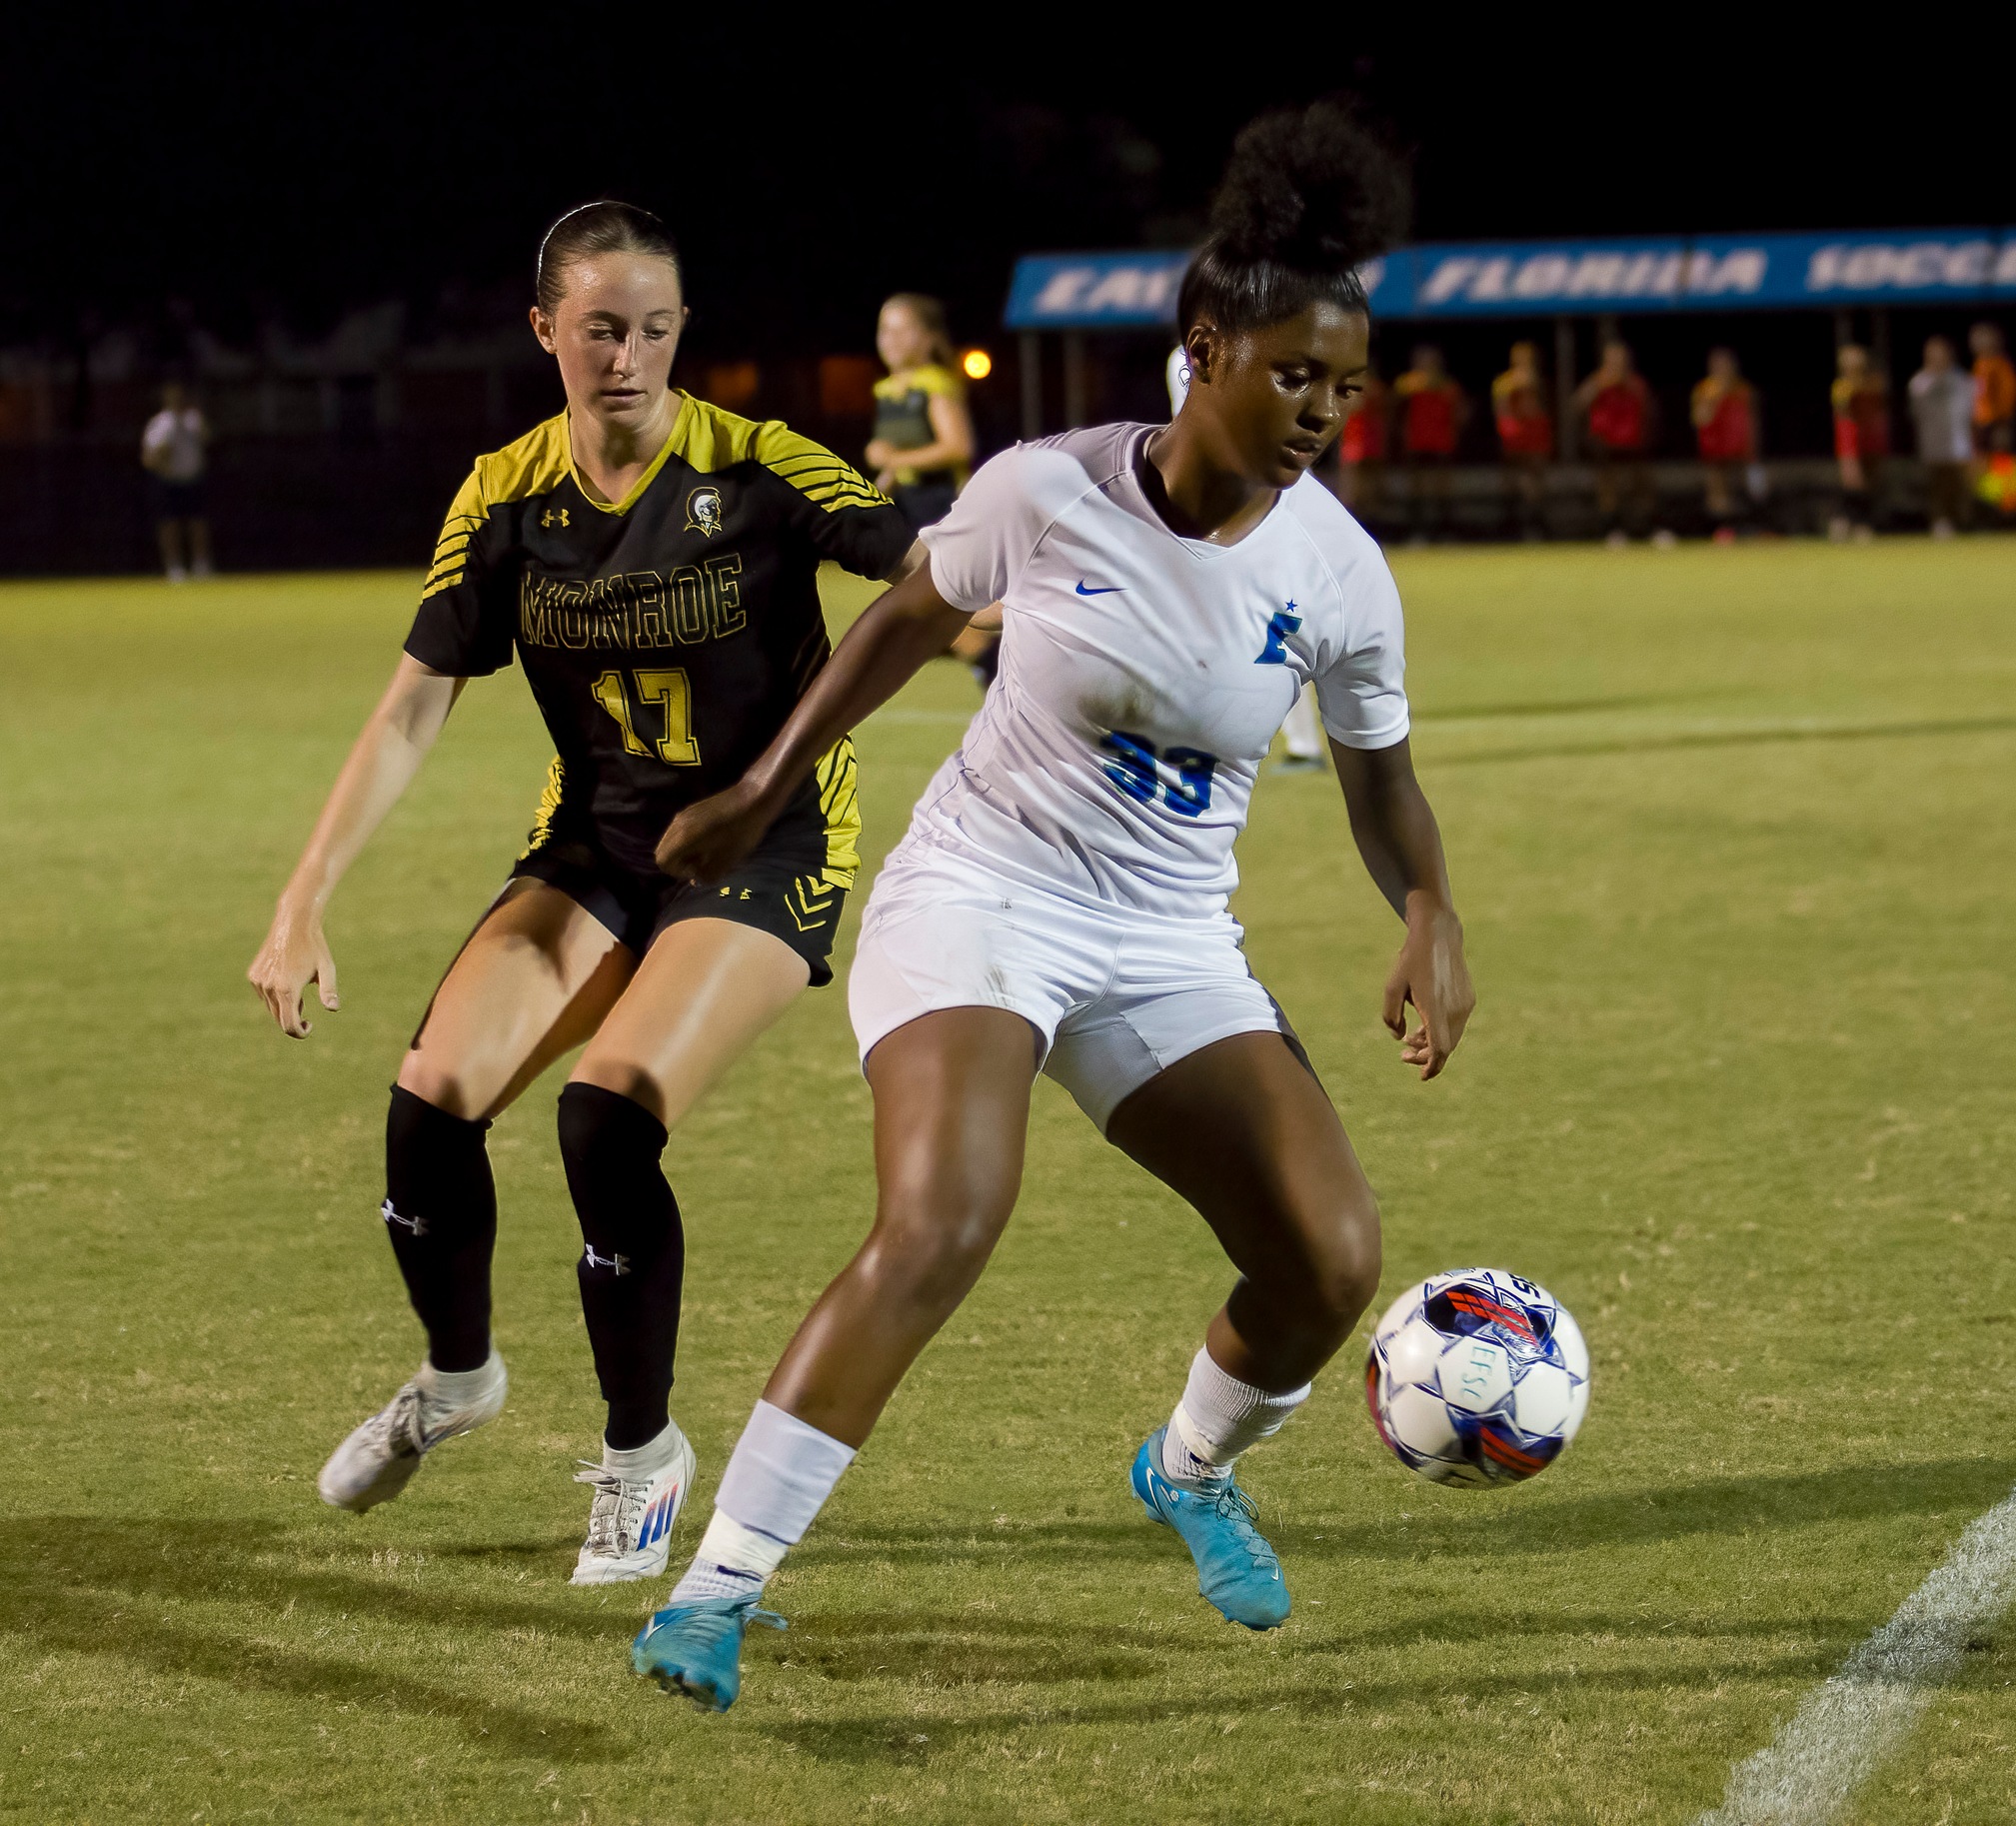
<point x="932" y="1241"/>
<point x="610" y="1147"/>
<point x="1332" y="1272"/>
<point x="605" y="1138"/>
<point x="1345" y="1280"/>
<point x="441" y="1084"/>
<point x="426" y="1143"/>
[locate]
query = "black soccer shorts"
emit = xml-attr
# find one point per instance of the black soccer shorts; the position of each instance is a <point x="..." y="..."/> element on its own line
<point x="782" y="889"/>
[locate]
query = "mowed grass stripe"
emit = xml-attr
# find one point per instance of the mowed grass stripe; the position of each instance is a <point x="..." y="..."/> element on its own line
<point x="1736" y="1091"/>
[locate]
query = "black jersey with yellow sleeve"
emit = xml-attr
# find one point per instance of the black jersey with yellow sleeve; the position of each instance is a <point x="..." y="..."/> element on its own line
<point x="666" y="636"/>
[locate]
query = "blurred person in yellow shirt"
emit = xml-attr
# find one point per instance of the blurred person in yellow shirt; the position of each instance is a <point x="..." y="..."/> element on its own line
<point x="923" y="448"/>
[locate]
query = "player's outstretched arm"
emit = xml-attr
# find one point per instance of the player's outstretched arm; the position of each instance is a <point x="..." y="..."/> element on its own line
<point x="381" y="763"/>
<point x="899" y="632"/>
<point x="1401" y="845"/>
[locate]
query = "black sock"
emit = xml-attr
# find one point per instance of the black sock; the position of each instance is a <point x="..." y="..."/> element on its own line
<point x="441" y="1213"/>
<point x="634" y="1255"/>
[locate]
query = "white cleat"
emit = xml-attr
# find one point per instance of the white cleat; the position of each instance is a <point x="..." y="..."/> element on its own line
<point x="378" y="1460"/>
<point x="630" y="1525"/>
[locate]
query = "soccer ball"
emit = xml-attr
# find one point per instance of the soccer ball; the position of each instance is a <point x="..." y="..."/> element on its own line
<point x="1476" y="1377"/>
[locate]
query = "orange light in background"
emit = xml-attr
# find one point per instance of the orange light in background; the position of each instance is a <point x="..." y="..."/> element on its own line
<point x="978" y="364"/>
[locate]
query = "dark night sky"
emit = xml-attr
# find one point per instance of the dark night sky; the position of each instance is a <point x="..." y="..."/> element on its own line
<point x="305" y="166"/>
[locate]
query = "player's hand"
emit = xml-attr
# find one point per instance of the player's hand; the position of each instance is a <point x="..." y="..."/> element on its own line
<point x="1431" y="974"/>
<point x="709" y="838"/>
<point x="881" y="454"/>
<point x="294" y="956"/>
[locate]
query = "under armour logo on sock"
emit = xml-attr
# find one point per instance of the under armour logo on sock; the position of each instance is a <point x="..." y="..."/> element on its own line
<point x="418" y="1225"/>
<point x="621" y="1263"/>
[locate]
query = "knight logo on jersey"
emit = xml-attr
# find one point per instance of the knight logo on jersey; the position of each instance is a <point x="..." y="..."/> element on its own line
<point x="702" y="511"/>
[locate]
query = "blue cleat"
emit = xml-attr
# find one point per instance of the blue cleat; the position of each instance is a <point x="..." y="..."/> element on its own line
<point x="1236" y="1569"/>
<point x="696" y="1648"/>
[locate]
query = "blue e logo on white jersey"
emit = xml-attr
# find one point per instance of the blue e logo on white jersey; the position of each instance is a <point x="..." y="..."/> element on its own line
<point x="1285" y="623"/>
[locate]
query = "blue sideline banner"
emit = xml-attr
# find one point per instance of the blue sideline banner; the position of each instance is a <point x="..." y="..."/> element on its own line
<point x="1543" y="279"/>
<point x="1130" y="291"/>
<point x="1094" y="291"/>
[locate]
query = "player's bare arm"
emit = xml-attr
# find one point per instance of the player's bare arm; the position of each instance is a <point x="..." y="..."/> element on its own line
<point x="914" y="559"/>
<point x="899" y="633"/>
<point x="1396" y="834"/>
<point x="387" y="755"/>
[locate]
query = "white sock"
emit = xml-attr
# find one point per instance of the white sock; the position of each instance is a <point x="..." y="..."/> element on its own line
<point x="1218" y="1418"/>
<point x="777" y="1479"/>
<point x="1303" y="728"/>
<point x="733" y="1562"/>
<point x="641" y="1463"/>
<point x="459" y="1387"/>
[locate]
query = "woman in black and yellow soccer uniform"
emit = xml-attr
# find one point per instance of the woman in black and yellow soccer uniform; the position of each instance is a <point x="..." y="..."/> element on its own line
<point x="652" y="562"/>
<point x="923" y="447"/>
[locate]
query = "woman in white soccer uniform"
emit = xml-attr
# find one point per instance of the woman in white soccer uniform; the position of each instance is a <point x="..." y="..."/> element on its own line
<point x="1059" y="901"/>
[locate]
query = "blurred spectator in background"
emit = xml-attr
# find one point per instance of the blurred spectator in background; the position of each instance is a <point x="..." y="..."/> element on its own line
<point x="1994" y="391"/>
<point x="1525" y="436"/>
<point x="1361" y="447"/>
<point x="1432" y="411"/>
<point x="1861" y="400"/>
<point x="923" y="447"/>
<point x="1942" y="405"/>
<point x="1617" y="415"/>
<point x="173" y="449"/>
<point x="1724" y="411"/>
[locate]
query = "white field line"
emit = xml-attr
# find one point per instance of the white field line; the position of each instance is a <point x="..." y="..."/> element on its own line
<point x="1856" y="1718"/>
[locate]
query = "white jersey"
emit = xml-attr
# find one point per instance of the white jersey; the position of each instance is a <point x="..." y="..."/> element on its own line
<point x="173" y="443"/>
<point x="1144" y="675"/>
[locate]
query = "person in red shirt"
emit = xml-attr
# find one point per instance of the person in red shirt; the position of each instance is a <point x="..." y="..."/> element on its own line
<point x="1360" y="471"/>
<point x="1525" y="435"/>
<point x="1861" y="400"/>
<point x="1618" y="415"/>
<point x="1994" y="391"/>
<point x="1432" y="411"/>
<point x="1724" y="411"/>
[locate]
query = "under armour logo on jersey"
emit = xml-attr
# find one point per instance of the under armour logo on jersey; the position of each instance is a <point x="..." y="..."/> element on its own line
<point x="551" y="515"/>
<point x="1283" y="623"/>
<point x="418" y="1225"/>
<point x="619" y="1263"/>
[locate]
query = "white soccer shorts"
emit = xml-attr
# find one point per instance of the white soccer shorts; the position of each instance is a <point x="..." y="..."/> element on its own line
<point x="1115" y="995"/>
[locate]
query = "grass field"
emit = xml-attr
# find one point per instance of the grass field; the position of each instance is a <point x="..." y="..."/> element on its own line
<point x="1735" y="839"/>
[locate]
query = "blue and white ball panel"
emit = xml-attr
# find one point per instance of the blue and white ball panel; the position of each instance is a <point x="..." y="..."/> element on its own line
<point x="1477" y="1376"/>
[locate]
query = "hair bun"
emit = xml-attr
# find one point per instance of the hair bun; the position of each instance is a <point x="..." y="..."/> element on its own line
<point x="1309" y="189"/>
